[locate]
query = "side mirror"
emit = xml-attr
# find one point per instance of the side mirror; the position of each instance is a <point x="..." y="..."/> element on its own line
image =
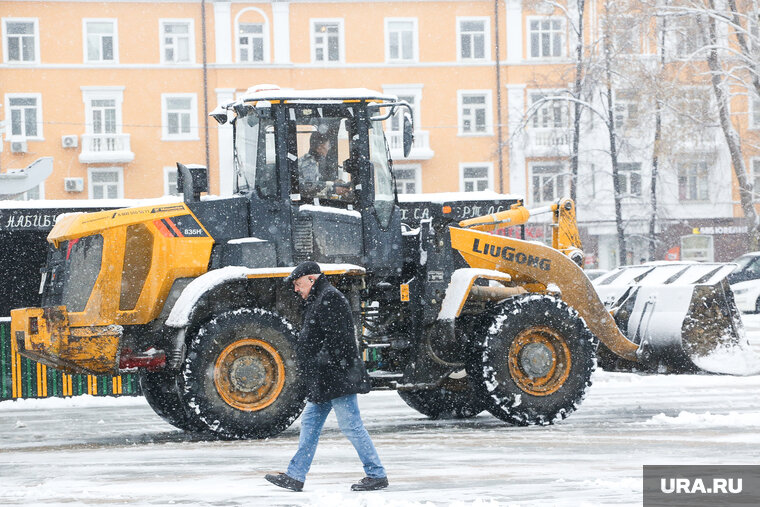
<point x="192" y="179"/>
<point x="408" y="135"/>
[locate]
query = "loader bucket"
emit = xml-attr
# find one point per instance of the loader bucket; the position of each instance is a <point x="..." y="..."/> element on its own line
<point x="682" y="315"/>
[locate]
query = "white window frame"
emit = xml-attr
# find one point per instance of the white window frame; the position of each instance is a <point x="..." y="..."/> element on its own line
<point x="341" y="40"/>
<point x="8" y="125"/>
<point x="465" y="165"/>
<point x="417" y="168"/>
<point x="683" y="33"/>
<point x="754" y="175"/>
<point x="562" y="173"/>
<point x="488" y="107"/>
<point x="168" y="171"/>
<point x="754" y="111"/>
<point x="540" y="93"/>
<point x="563" y="31"/>
<point x="703" y="183"/>
<point x="90" y="93"/>
<point x="120" y="183"/>
<point x="191" y="39"/>
<point x="415" y="41"/>
<point x="85" y="34"/>
<point x="627" y="113"/>
<point x="407" y="90"/>
<point x="190" y="136"/>
<point x="265" y="34"/>
<point x="36" y="23"/>
<point x="486" y="35"/>
<point x="24" y="196"/>
<point x="627" y="174"/>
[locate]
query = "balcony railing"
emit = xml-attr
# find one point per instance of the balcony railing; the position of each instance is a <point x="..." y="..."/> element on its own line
<point x="105" y="148"/>
<point x="420" y="147"/>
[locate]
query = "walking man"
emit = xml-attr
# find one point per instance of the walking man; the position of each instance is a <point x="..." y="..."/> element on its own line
<point x="334" y="373"/>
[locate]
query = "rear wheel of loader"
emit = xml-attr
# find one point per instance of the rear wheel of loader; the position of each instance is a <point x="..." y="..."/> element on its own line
<point x="533" y="360"/>
<point x="164" y="395"/>
<point x="240" y="375"/>
<point x="456" y="399"/>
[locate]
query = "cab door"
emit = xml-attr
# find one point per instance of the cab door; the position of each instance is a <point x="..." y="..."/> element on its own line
<point x="381" y="217"/>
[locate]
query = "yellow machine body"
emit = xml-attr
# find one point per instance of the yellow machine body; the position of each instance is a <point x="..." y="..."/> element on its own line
<point x="144" y="250"/>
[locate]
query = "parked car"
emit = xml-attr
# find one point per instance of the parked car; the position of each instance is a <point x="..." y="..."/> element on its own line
<point x="745" y="282"/>
<point x="594" y="273"/>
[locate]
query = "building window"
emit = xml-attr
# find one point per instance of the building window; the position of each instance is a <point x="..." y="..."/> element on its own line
<point x="626" y="108"/>
<point x="327" y="41"/>
<point x="170" y="181"/>
<point x="24" y="116"/>
<point x="755" y="180"/>
<point x="100" y="41"/>
<point x="472" y="38"/>
<point x="553" y="113"/>
<point x="177" y="44"/>
<point x="547" y="37"/>
<point x="475" y="112"/>
<point x="407" y="179"/>
<point x="251" y="42"/>
<point x="688" y="36"/>
<point x="549" y="183"/>
<point x="180" y="112"/>
<point x="693" y="181"/>
<point x="20" y="41"/>
<point x="105" y="183"/>
<point x="754" y="115"/>
<point x="476" y="177"/>
<point x="401" y="40"/>
<point x="629" y="179"/>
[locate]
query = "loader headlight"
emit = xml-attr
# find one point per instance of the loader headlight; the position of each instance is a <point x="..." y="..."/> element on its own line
<point x="739" y="292"/>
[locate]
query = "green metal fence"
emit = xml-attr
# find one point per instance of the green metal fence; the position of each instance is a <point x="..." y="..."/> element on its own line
<point x="21" y="377"/>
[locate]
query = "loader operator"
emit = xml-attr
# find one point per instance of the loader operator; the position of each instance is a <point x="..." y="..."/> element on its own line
<point x="334" y="373"/>
<point x="316" y="178"/>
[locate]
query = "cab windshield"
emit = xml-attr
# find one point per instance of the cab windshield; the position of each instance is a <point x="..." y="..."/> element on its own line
<point x="255" y="155"/>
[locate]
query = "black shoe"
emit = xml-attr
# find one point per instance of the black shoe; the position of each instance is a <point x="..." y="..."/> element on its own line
<point x="370" y="484"/>
<point x="287" y="482"/>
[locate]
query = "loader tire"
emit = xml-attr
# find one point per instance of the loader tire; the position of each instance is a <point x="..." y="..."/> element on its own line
<point x="533" y="360"/>
<point x="164" y="395"/>
<point x="456" y="400"/>
<point x="240" y="375"/>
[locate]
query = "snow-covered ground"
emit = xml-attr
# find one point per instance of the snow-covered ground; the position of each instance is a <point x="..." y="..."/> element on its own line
<point x="101" y="451"/>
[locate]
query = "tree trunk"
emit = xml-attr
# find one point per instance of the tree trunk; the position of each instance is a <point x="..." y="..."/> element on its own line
<point x="622" y="251"/>
<point x="577" y="104"/>
<point x="656" y="153"/>
<point x="732" y="138"/>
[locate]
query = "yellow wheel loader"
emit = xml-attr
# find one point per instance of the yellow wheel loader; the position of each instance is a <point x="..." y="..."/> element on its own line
<point x="458" y="320"/>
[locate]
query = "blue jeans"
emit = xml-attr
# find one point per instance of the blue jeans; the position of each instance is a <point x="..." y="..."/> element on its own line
<point x="350" y="423"/>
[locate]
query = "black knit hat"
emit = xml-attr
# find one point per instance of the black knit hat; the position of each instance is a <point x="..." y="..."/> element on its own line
<point x="303" y="269"/>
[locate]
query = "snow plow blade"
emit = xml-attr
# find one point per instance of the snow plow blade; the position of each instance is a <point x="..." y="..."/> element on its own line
<point x="682" y="315"/>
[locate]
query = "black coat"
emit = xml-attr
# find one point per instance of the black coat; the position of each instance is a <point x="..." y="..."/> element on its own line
<point x="327" y="350"/>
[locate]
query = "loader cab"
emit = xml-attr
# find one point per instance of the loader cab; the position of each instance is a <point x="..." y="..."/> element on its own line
<point x="319" y="178"/>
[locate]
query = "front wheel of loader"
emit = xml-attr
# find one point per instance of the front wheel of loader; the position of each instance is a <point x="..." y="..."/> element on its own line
<point x="240" y="375"/>
<point x="456" y="399"/>
<point x="163" y="393"/>
<point x="533" y="360"/>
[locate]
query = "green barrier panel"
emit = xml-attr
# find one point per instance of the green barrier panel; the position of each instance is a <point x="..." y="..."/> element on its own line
<point x="21" y="377"/>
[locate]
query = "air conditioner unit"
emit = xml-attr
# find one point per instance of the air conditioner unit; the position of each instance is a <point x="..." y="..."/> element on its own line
<point x="18" y="146"/>
<point x="73" y="184"/>
<point x="69" y="141"/>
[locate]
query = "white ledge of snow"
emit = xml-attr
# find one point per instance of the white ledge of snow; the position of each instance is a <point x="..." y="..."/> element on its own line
<point x="239" y="241"/>
<point x="179" y="317"/>
<point x="441" y="197"/>
<point x="459" y="287"/>
<point x="329" y="209"/>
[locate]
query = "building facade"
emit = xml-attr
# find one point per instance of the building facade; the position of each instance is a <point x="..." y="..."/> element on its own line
<point x="117" y="93"/>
